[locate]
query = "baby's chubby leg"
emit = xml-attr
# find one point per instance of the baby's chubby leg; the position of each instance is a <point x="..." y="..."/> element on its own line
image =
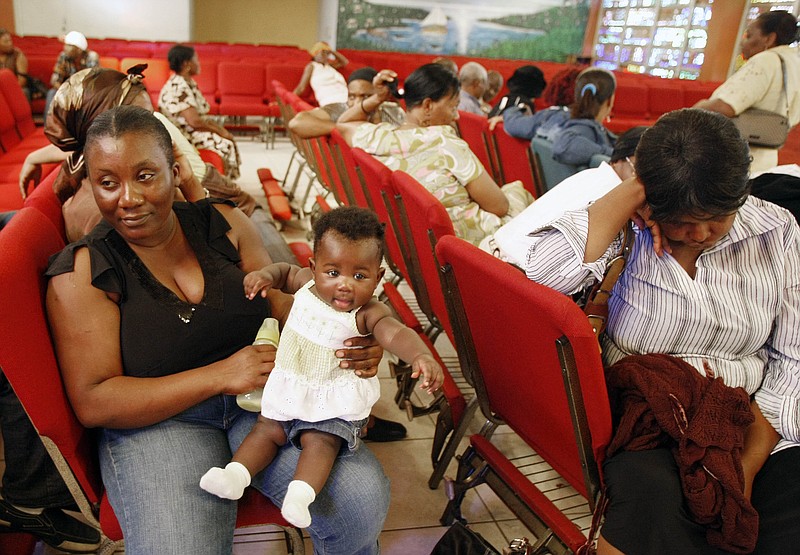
<point x="254" y="454"/>
<point x="313" y="468"/>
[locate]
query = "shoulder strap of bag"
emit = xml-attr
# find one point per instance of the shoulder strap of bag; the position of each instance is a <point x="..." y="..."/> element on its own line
<point x="596" y="307"/>
<point x="785" y="88"/>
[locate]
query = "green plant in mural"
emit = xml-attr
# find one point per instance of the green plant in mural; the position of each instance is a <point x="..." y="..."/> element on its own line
<point x="358" y="15"/>
<point x="565" y="31"/>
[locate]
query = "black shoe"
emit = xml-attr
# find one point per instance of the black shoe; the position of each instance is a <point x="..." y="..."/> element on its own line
<point x="53" y="526"/>
<point x="384" y="430"/>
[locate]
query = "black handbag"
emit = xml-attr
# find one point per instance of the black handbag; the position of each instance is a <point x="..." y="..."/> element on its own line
<point x="762" y="127"/>
<point x="460" y="540"/>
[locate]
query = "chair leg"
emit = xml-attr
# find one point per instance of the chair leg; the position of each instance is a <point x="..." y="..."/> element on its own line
<point x="405" y="387"/>
<point x="441" y="453"/>
<point x="294" y="541"/>
<point x="468" y="477"/>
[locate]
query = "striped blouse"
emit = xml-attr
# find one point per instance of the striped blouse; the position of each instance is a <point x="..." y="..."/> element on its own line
<point x="739" y="318"/>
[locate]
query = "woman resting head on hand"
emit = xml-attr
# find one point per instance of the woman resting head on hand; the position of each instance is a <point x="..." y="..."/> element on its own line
<point x="712" y="279"/>
<point x="153" y="334"/>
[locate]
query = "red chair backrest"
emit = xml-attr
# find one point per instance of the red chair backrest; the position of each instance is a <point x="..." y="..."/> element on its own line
<point x="514" y="160"/>
<point x="17" y="102"/>
<point x="343" y="152"/>
<point x="9" y="136"/>
<point x="631" y="99"/>
<point x="111" y="62"/>
<point x="207" y="79"/>
<point x="245" y="79"/>
<point x="513" y="325"/>
<point x="474" y="129"/>
<point x="44" y="199"/>
<point x="242" y="89"/>
<point x="331" y="170"/>
<point x="425" y="221"/>
<point x="376" y="177"/>
<point x="26" y="352"/>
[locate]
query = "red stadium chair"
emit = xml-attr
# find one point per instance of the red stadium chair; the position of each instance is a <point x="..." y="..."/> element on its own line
<point x="474" y="129"/>
<point x="514" y="160"/>
<point x="242" y="89"/>
<point x="540" y="373"/>
<point x="424" y="222"/>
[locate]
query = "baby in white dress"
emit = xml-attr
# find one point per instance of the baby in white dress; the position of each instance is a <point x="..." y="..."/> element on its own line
<point x="308" y="399"/>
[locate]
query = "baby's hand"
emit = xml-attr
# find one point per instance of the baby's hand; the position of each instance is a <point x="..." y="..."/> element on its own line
<point x="255" y="282"/>
<point x="430" y="369"/>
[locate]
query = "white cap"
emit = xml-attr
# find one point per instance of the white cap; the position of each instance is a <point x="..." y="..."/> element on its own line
<point x="74" y="38"/>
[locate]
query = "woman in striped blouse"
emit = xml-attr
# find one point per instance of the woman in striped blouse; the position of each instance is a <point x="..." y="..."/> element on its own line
<point x="714" y="279"/>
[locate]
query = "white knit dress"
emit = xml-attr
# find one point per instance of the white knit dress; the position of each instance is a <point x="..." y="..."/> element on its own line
<point x="307" y="383"/>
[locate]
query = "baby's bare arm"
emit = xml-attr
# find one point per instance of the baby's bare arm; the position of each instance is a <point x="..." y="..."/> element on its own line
<point x="280" y="275"/>
<point x="403" y="342"/>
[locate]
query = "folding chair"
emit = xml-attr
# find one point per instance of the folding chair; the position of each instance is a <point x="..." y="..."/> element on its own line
<point x="28" y="361"/>
<point x="540" y="373"/>
<point x="242" y="92"/>
<point x="552" y="171"/>
<point x="514" y="160"/>
<point x="346" y="166"/>
<point x="424" y="221"/>
<point x="374" y="178"/>
<point x="474" y="129"/>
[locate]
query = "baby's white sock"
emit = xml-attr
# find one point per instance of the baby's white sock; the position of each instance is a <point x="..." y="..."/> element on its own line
<point x="299" y="495"/>
<point x="228" y="482"/>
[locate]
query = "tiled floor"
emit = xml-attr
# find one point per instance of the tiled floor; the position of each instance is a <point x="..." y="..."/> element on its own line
<point x="412" y="526"/>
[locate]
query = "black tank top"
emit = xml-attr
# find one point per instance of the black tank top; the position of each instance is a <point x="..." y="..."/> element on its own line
<point x="160" y="334"/>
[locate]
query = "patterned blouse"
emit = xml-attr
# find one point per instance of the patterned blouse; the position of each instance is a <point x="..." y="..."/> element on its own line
<point x="65" y="67"/>
<point x="177" y="95"/>
<point x="443" y="163"/>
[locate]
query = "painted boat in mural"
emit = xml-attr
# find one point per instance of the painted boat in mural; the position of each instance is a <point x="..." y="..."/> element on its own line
<point x="435" y="23"/>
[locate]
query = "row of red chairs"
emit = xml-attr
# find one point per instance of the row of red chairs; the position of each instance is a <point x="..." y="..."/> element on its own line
<point x="567" y="434"/>
<point x="352" y="177"/>
<point x="517" y="369"/>
<point x="121" y="48"/>
<point x="232" y="88"/>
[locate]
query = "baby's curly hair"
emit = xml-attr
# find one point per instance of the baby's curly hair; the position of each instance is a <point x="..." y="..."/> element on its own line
<point x="352" y="223"/>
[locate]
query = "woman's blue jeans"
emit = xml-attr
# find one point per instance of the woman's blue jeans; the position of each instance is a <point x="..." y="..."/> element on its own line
<point x="152" y="476"/>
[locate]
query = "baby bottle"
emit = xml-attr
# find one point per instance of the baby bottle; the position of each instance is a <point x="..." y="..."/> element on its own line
<point x="268" y="334"/>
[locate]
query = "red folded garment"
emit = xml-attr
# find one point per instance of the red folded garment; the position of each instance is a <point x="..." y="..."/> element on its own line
<point x="665" y="402"/>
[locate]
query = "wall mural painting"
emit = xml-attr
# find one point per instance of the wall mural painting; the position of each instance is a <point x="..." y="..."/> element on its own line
<point x="518" y="29"/>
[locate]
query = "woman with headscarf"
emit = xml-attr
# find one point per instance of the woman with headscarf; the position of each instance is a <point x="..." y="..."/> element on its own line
<point x="85" y="95"/>
<point x="79" y="101"/>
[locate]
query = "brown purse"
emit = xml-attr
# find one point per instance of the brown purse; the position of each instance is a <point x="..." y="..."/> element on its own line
<point x="596" y="305"/>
